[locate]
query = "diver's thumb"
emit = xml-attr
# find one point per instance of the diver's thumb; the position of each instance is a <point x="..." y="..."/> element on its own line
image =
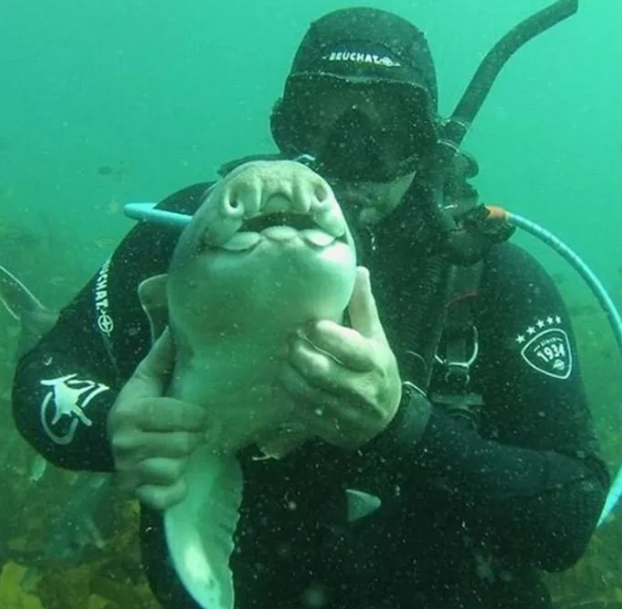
<point x="157" y="366"/>
<point x="362" y="308"/>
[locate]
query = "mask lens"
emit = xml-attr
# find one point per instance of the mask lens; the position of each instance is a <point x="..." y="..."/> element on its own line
<point x="353" y="149"/>
<point x="366" y="132"/>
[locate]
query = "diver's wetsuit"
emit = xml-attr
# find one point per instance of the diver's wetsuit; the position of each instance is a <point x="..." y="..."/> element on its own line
<point x="467" y="516"/>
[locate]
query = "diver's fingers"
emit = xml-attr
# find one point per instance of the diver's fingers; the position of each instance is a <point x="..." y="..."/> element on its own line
<point x="344" y="421"/>
<point x="173" y="444"/>
<point x="362" y="308"/>
<point x="319" y="379"/>
<point x="169" y="414"/>
<point x="318" y="368"/>
<point x="160" y="471"/>
<point x="346" y="345"/>
<point x="317" y="409"/>
<point x="305" y="392"/>
<point x="159" y="497"/>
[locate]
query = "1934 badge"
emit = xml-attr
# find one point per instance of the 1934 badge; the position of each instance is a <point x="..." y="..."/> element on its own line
<point x="547" y="349"/>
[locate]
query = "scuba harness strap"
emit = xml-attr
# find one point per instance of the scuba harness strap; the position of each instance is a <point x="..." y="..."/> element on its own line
<point x="458" y="349"/>
<point x="438" y="341"/>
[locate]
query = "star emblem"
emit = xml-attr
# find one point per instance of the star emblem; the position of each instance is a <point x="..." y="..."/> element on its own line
<point x="531" y="330"/>
<point x="549" y="320"/>
<point x="540" y="324"/>
<point x="520" y="339"/>
<point x="558" y="319"/>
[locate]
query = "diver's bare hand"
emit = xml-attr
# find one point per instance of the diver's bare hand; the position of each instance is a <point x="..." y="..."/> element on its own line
<point x="346" y="380"/>
<point x="153" y="436"/>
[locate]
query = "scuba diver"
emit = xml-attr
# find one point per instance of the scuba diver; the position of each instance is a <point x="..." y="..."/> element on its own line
<point x="478" y="463"/>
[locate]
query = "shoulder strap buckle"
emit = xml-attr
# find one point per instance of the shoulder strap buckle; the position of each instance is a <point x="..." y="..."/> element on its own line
<point x="458" y="361"/>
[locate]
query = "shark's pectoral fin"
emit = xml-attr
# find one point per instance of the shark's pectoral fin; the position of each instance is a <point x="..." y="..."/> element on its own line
<point x="199" y="530"/>
<point x="152" y="296"/>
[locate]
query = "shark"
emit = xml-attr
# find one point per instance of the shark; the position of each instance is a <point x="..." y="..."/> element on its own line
<point x="267" y="251"/>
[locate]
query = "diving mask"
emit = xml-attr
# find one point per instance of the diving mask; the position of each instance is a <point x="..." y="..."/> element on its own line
<point x="356" y="131"/>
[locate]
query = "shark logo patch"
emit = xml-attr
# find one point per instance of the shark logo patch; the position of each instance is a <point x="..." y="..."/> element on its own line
<point x="546" y="348"/>
<point x="63" y="406"/>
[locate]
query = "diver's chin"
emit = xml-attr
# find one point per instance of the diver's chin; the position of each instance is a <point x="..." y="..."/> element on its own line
<point x="368" y="203"/>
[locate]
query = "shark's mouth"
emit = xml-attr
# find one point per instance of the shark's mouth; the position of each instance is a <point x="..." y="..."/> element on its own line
<point x="317" y="230"/>
<point x="297" y="221"/>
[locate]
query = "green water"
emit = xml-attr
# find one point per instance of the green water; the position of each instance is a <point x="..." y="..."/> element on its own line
<point x="162" y="92"/>
<point x="104" y="102"/>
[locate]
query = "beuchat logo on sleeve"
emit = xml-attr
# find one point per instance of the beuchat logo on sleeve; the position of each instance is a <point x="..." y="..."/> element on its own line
<point x="545" y="347"/>
<point x="105" y="323"/>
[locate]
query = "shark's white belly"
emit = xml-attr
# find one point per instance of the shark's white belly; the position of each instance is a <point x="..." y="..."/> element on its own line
<point x="232" y="373"/>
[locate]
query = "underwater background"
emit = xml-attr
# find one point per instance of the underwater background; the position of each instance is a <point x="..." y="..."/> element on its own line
<point x="106" y="102"/>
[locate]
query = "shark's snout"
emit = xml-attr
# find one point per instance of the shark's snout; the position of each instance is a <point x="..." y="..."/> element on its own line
<point x="240" y="226"/>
